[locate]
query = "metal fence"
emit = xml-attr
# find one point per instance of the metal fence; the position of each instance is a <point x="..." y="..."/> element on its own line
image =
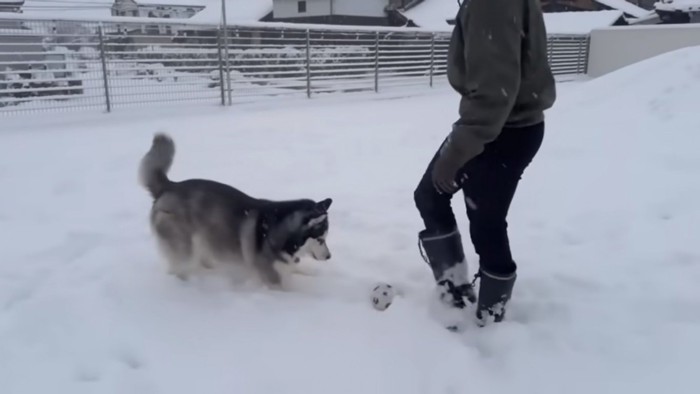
<point x="568" y="54"/>
<point x="62" y="65"/>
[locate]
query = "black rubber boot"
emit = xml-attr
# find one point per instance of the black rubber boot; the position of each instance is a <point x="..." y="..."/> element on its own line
<point x="494" y="293"/>
<point x="445" y="256"/>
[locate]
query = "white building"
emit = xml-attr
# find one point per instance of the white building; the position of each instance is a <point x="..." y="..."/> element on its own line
<point x="341" y="12"/>
<point x="170" y="9"/>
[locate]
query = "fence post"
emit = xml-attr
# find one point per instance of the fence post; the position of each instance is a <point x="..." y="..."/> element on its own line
<point x="376" y="62"/>
<point x="103" y="57"/>
<point x="308" y="63"/>
<point x="578" y="55"/>
<point x="588" y="53"/>
<point x="432" y="57"/>
<point x="228" y="69"/>
<point x="221" y="67"/>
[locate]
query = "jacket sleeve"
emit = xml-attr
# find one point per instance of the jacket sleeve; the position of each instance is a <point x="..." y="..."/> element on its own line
<point x="492" y="36"/>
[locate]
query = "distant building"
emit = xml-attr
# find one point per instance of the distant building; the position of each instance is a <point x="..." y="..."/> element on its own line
<point x="342" y="12"/>
<point x="154" y="9"/>
<point x="629" y="8"/>
<point x="571" y="5"/>
<point x="671" y="11"/>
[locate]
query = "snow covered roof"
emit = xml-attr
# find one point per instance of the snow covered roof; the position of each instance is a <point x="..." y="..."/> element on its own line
<point x="236" y="11"/>
<point x="433" y="14"/>
<point x="626" y="7"/>
<point x="678" y="5"/>
<point x="68" y="8"/>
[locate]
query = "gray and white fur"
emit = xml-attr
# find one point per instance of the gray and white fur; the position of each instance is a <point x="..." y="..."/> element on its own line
<point x="198" y="222"/>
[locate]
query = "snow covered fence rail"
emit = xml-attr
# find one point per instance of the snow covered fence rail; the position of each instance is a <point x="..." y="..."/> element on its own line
<point x="121" y="62"/>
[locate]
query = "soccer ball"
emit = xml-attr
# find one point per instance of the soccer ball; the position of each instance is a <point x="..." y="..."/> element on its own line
<point x="382" y="296"/>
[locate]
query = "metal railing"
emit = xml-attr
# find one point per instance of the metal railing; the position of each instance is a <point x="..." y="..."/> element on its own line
<point x="68" y="65"/>
<point x="568" y="54"/>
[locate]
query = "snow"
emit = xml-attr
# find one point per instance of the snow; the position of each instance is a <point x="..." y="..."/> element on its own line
<point x="236" y="11"/>
<point x="604" y="228"/>
<point x="433" y="14"/>
<point x="627" y="7"/>
<point x="579" y="22"/>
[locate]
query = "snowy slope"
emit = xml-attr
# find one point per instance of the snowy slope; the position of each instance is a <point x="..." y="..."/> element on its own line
<point x="604" y="229"/>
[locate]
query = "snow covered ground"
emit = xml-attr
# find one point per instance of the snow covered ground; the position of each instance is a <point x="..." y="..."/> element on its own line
<point x="604" y="228"/>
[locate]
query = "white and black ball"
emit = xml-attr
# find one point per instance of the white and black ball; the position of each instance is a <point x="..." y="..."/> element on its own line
<point x="382" y="296"/>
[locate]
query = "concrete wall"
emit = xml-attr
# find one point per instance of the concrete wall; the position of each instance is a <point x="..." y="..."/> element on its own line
<point x="374" y="8"/>
<point x="616" y="47"/>
<point x="289" y="8"/>
<point x="368" y="8"/>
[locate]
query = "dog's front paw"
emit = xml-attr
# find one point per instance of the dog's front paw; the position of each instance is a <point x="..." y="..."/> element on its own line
<point x="306" y="271"/>
<point x="271" y="276"/>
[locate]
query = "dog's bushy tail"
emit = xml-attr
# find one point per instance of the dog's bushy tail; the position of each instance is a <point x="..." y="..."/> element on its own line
<point x="154" y="166"/>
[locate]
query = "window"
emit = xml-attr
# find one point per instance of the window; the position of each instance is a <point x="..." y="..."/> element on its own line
<point x="301" y="7"/>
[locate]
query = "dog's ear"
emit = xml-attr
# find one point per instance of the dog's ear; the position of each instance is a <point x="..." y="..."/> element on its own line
<point x="322" y="206"/>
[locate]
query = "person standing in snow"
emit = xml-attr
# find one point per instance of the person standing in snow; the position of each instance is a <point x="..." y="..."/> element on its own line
<point x="497" y="62"/>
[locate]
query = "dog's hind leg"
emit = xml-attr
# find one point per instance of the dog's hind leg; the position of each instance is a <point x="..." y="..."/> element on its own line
<point x="179" y="257"/>
<point x="202" y="254"/>
<point x="175" y="243"/>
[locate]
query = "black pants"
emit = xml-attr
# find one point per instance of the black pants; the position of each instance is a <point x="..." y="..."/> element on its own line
<point x="489" y="187"/>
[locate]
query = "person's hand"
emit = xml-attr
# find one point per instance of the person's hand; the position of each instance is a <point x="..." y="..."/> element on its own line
<point x="444" y="173"/>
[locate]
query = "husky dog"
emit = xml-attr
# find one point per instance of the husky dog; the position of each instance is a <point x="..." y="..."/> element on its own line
<point x="198" y="222"/>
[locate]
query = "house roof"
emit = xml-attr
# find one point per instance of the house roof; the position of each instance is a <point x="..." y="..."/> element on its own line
<point x="626" y="7"/>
